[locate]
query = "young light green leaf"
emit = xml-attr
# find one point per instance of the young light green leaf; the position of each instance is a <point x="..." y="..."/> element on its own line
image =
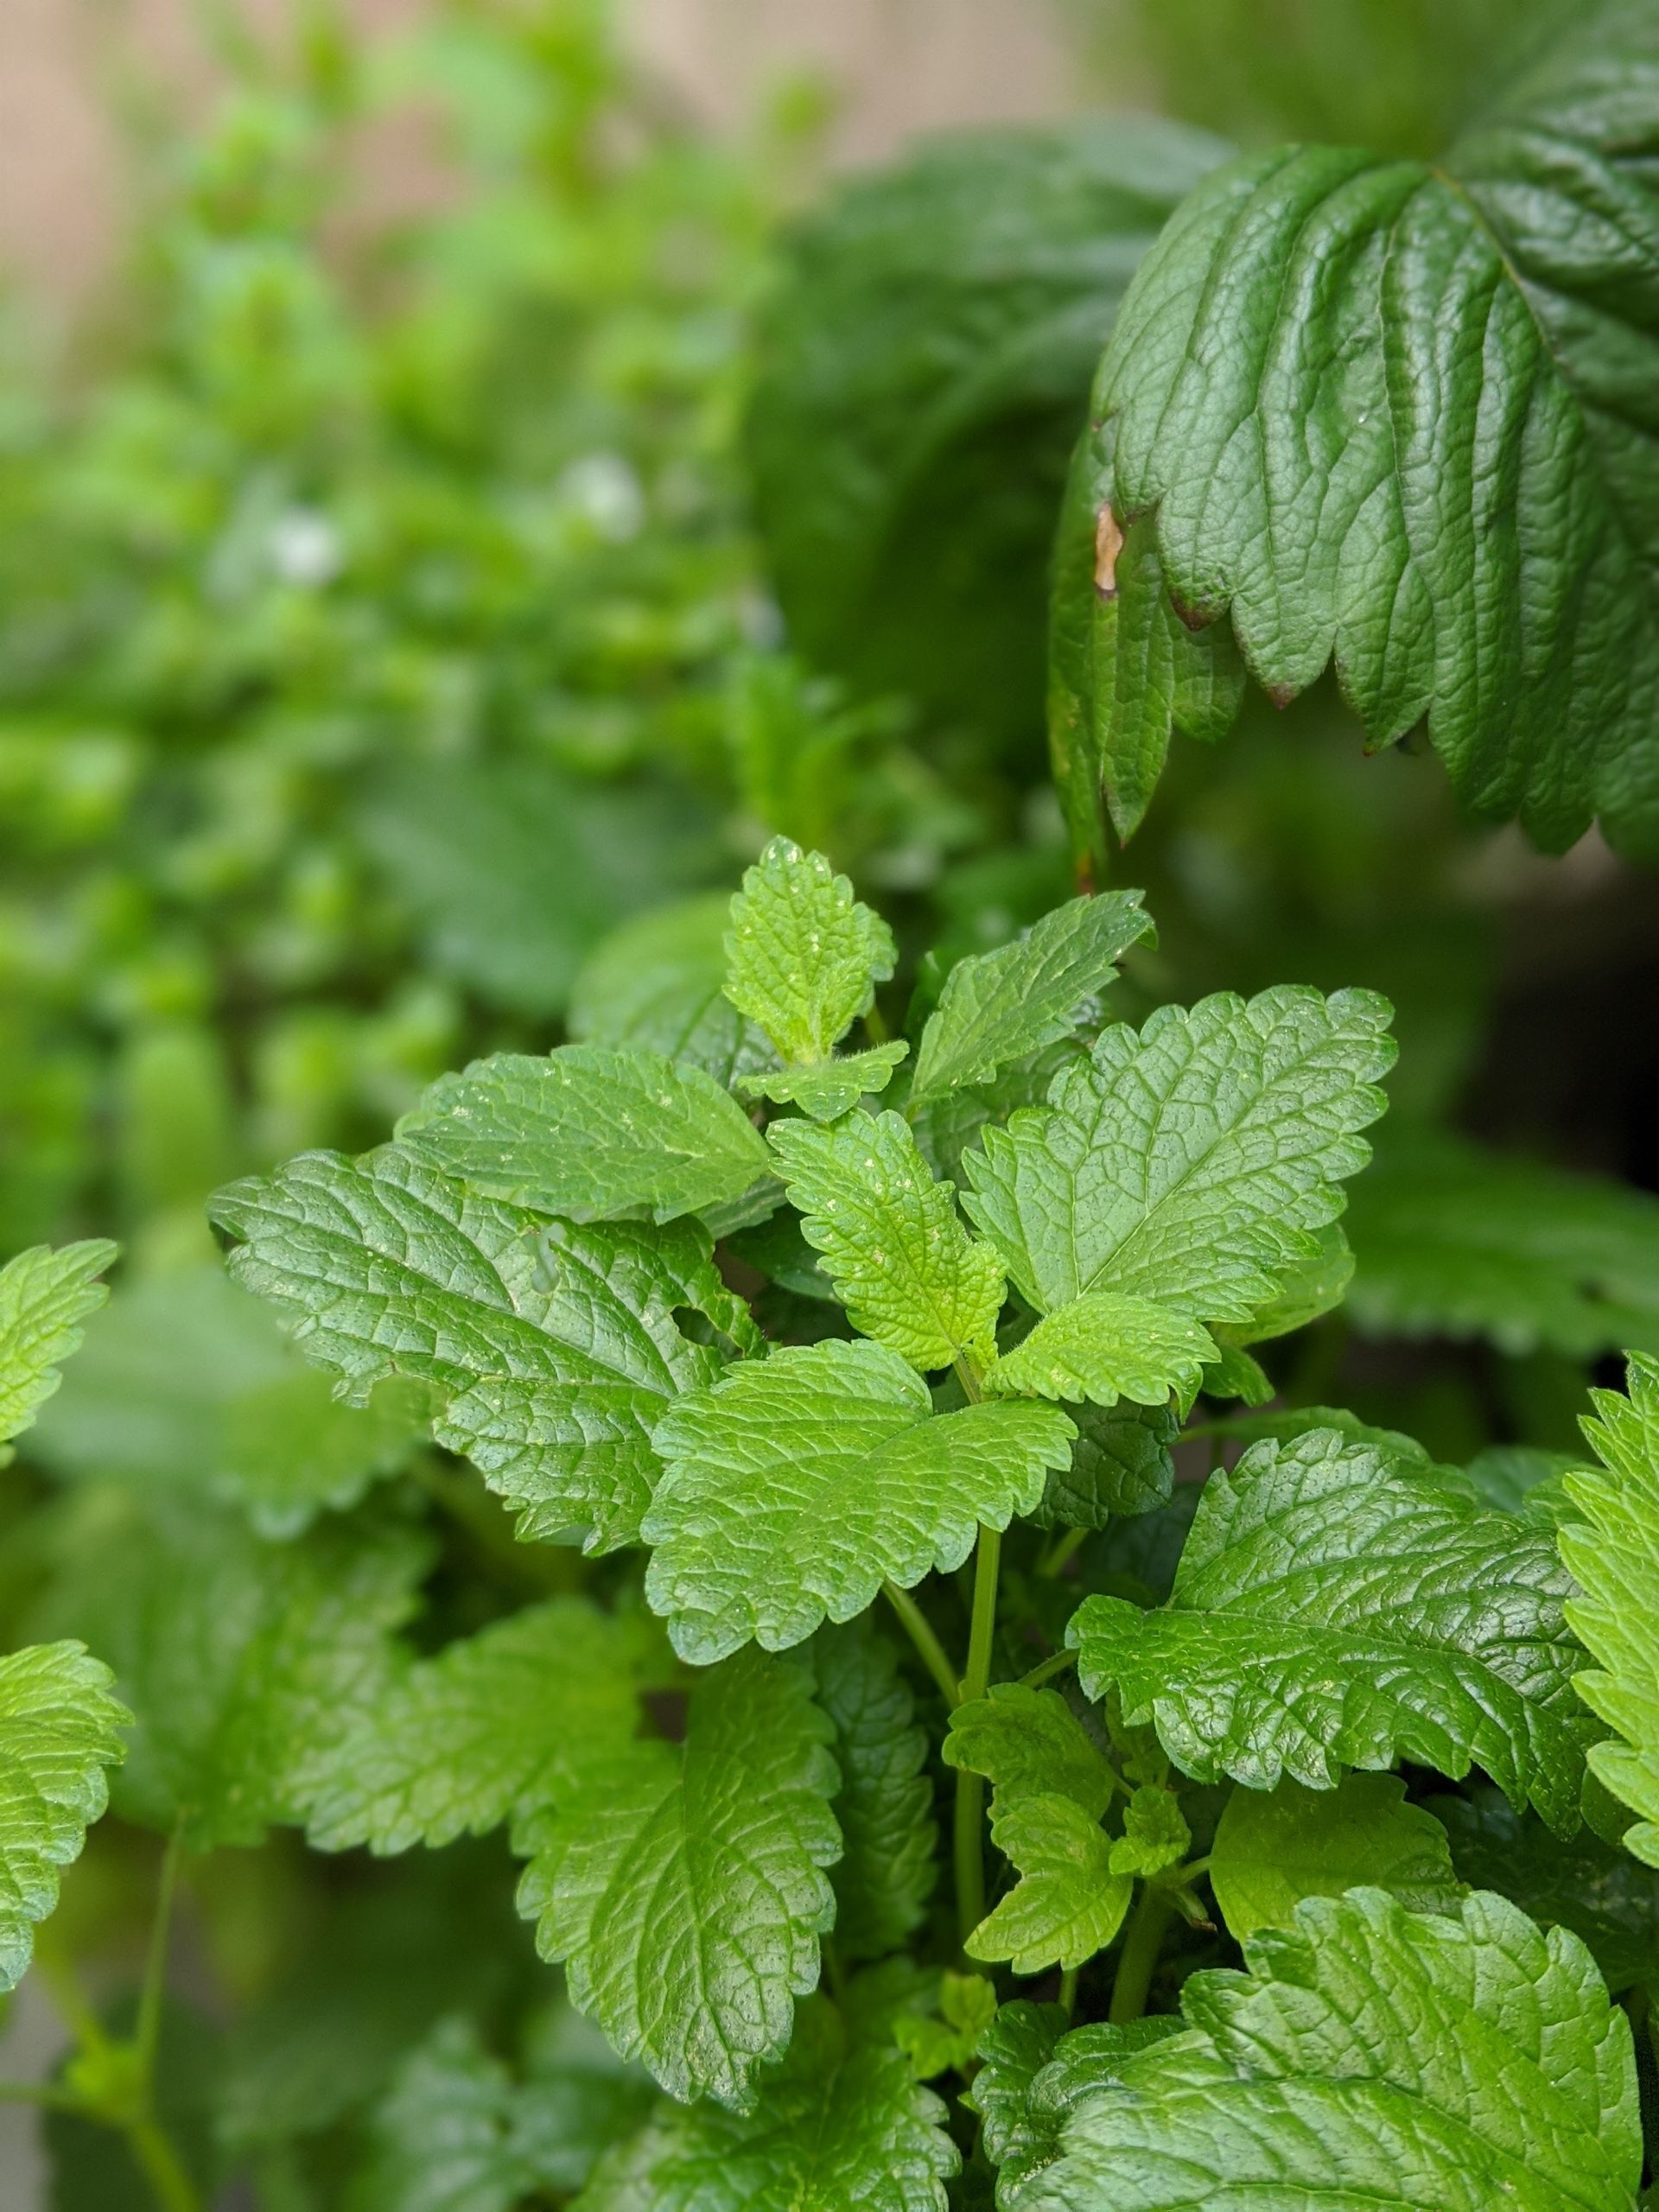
<point x="828" y="1088"/>
<point x="496" y="1726"/>
<point x="1121" y="1464"/>
<point x="891" y="1241"/>
<point x="554" y="1347"/>
<point x="1609" y="1899"/>
<point x="1614" y="1553"/>
<point x="1453" y="1240"/>
<point x="1459" y="529"/>
<point x="1104" y="1346"/>
<point x="793" y="1487"/>
<point x="1335" y="1606"/>
<point x="1034" y="2072"/>
<point x="944" y="2042"/>
<point x="1274" y="1848"/>
<point x="1155" y="1833"/>
<point x="684" y="1889"/>
<point x="1371" y="2056"/>
<point x="839" y="2122"/>
<point x="59" y="1731"/>
<point x="804" y="956"/>
<point x="1193" y="1163"/>
<point x="998" y="1007"/>
<point x="244" y="1662"/>
<point x="187" y="1382"/>
<point x="1029" y="1742"/>
<point x="657" y="985"/>
<point x="1068" y="1903"/>
<point x="884" y="1808"/>
<point x="44" y="1297"/>
<point x="588" y="1133"/>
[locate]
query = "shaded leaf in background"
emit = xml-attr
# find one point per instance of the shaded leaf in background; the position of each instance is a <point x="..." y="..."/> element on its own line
<point x="1274" y="1848"/>
<point x="884" y="1806"/>
<point x="1120" y="1464"/>
<point x="657" y="984"/>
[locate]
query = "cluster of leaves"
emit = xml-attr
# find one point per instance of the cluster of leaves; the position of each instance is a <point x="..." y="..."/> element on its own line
<point x="816" y="1416"/>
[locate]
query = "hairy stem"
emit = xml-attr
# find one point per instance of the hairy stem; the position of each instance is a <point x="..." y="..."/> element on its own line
<point x="968" y="1841"/>
<point x="928" y="1645"/>
<point x="1140" y="1955"/>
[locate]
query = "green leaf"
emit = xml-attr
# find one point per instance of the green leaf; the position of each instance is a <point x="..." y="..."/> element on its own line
<point x="949" y="1122"/>
<point x="516" y="871"/>
<point x="1155" y="1833"/>
<point x="496" y="1726"/>
<point x="187" y="1382"/>
<point x="657" y="985"/>
<point x="588" y="1133"/>
<point x="1032" y="2075"/>
<point x="44" y="1298"/>
<point x="1001" y="1006"/>
<point x="244" y="1662"/>
<point x="802" y="954"/>
<point x="923" y="368"/>
<point x="1029" y="1742"/>
<point x="684" y="1890"/>
<point x="1121" y="1464"/>
<point x="945" y="2044"/>
<point x="1274" y="1848"/>
<point x="1375" y="2056"/>
<point x="1461" y="528"/>
<point x="59" y="1731"/>
<point x="840" y="2122"/>
<point x="1453" y="1240"/>
<point x="1193" y="1163"/>
<point x="554" y="1347"/>
<point x="796" y="1485"/>
<point x="891" y="1239"/>
<point x="1068" y="1903"/>
<point x="1609" y="1900"/>
<point x="1512" y="1477"/>
<point x="1335" y="1606"/>
<point x="1104" y="1346"/>
<point x="1614" y="1553"/>
<point x="885" y="1805"/>
<point x="828" y="1088"/>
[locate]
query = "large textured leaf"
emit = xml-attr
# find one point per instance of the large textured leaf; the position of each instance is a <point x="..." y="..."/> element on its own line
<point x="1034" y="2072"/>
<point x="495" y="1727"/>
<point x="884" y="1808"/>
<point x="657" y="985"/>
<point x="1274" y="1848"/>
<point x="802" y="955"/>
<point x="999" y="1007"/>
<point x="1103" y="1347"/>
<point x="1189" y="1163"/>
<point x="187" y="1382"/>
<point x="924" y="370"/>
<point x="1402" y="418"/>
<point x="1376" y="2056"/>
<point x="244" y="1662"/>
<point x="1337" y="1606"/>
<point x="891" y="1239"/>
<point x="1614" y="1553"/>
<point x="589" y="1132"/>
<point x="840" y="2123"/>
<point x="796" y="1485"/>
<point x="59" y="1731"/>
<point x="1610" y="1900"/>
<point x="684" y="1891"/>
<point x="554" y="1346"/>
<point x="44" y="1298"/>
<point x="1451" y="1240"/>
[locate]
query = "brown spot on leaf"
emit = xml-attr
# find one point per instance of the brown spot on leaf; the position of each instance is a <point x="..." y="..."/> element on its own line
<point x="1109" y="543"/>
<point x="1280" y="694"/>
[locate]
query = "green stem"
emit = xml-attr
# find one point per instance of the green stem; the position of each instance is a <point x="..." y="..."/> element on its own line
<point x="921" y="1634"/>
<point x="1061" y="1551"/>
<point x="968" y="1841"/>
<point x="1139" y="1956"/>
<point x="73" y="2009"/>
<point x="148" y="2031"/>
<point x="1069" y="1991"/>
<point x="41" y="2093"/>
<point x="174" y="2190"/>
<point x="1045" y="1669"/>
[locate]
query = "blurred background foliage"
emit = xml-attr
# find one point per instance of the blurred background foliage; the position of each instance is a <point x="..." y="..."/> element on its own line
<point x="393" y="604"/>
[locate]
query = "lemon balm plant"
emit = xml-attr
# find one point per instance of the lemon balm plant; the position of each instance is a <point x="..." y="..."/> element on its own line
<point x="886" y="1775"/>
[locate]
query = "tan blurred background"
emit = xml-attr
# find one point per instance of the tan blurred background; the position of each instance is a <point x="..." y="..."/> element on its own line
<point x="897" y="65"/>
